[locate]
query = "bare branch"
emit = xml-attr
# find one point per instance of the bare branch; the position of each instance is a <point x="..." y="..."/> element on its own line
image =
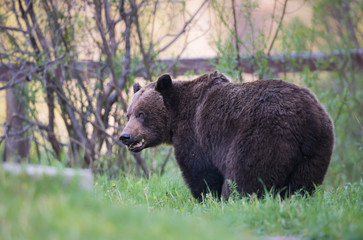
<point x="278" y="28"/>
<point x="272" y="19"/>
<point x="166" y="161"/>
<point x="236" y="40"/>
<point x="12" y="29"/>
<point x="145" y="55"/>
<point x="183" y="29"/>
<point x="142" y="163"/>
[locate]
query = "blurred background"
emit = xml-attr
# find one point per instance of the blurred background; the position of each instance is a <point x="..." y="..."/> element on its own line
<point x="66" y="67"/>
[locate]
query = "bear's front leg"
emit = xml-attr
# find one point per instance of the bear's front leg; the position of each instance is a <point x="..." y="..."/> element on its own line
<point x="226" y="189"/>
<point x="199" y="174"/>
<point x="204" y="180"/>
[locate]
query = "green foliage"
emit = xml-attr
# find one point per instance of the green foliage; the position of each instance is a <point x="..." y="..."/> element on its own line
<point x="33" y="209"/>
<point x="162" y="208"/>
<point x="335" y="26"/>
<point x="338" y="89"/>
<point x="131" y="207"/>
<point x="297" y="37"/>
<point x="227" y="59"/>
<point x="82" y="102"/>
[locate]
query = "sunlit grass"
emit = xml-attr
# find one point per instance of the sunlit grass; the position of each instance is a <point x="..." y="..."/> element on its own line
<point x="162" y="208"/>
<point x="327" y="214"/>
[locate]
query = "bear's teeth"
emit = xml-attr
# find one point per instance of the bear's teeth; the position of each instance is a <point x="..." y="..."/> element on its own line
<point x="136" y="145"/>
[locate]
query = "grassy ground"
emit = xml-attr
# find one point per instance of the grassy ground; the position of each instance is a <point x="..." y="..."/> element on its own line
<point x="161" y="208"/>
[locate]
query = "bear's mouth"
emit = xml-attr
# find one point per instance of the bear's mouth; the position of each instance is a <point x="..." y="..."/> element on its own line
<point x="137" y="146"/>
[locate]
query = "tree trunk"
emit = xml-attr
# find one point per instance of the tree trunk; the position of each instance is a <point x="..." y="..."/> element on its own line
<point x="16" y="142"/>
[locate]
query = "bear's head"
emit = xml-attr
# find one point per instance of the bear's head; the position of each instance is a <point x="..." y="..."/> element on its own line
<point x="148" y="123"/>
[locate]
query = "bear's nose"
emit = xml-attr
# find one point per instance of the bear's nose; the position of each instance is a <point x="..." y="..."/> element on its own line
<point x="125" y="138"/>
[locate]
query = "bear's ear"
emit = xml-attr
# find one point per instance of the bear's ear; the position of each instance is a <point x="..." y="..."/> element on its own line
<point x="164" y="83"/>
<point x="136" y="87"/>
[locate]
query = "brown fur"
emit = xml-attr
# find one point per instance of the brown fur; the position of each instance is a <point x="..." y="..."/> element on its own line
<point x="267" y="133"/>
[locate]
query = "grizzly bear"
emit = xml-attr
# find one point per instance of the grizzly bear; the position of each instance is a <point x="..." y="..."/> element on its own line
<point x="261" y="135"/>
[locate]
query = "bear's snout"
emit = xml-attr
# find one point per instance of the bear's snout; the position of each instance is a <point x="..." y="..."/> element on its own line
<point x="125" y="138"/>
<point x="133" y="143"/>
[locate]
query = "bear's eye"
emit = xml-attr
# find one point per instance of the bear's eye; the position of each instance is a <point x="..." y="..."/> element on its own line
<point x="127" y="117"/>
<point x="140" y="116"/>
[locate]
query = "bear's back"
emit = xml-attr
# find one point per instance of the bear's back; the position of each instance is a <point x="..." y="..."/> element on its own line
<point x="259" y="108"/>
<point x="258" y="99"/>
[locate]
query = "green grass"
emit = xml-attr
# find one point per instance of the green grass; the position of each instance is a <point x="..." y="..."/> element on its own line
<point x="162" y="208"/>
